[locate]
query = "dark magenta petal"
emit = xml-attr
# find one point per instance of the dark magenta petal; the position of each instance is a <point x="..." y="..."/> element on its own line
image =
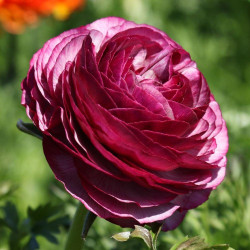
<point x="149" y="100"/>
<point x="183" y="113"/>
<point x="88" y="87"/>
<point x="131" y="210"/>
<point x="133" y="115"/>
<point x="174" y="220"/>
<point x="123" y="190"/>
<point x="63" y="166"/>
<point x="169" y="127"/>
<point x="193" y="199"/>
<point x="198" y="85"/>
<point x="190" y="145"/>
<point x="187" y="176"/>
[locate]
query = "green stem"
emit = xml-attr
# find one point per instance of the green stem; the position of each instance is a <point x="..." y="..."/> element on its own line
<point x="74" y="240"/>
<point x="156" y="234"/>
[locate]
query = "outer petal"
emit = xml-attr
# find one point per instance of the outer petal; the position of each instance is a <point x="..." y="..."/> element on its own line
<point x="173" y="221"/>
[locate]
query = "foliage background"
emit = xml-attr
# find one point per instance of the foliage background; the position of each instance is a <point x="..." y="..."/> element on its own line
<point x="216" y="33"/>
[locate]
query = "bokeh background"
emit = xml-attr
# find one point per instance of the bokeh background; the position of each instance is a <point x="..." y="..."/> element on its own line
<point x="217" y="35"/>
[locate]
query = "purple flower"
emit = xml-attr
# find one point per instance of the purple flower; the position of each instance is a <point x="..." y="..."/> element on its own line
<point x="129" y="124"/>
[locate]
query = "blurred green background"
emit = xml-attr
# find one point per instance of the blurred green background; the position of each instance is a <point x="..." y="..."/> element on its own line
<point x="217" y="35"/>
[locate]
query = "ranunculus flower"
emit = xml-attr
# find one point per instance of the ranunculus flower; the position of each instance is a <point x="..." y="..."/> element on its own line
<point x="130" y="126"/>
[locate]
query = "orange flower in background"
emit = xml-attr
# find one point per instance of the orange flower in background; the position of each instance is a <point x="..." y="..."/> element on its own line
<point x="16" y="14"/>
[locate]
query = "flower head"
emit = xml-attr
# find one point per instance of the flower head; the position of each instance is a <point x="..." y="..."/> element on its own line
<point x="129" y="123"/>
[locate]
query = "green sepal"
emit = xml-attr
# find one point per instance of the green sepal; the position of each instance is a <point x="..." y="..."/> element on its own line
<point x="29" y="128"/>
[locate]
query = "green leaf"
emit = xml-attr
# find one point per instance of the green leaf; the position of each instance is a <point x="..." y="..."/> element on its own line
<point x="140" y="232"/>
<point x="59" y="221"/>
<point x="174" y="247"/>
<point x="143" y="233"/>
<point x="3" y="223"/>
<point x="44" y="221"/>
<point x="49" y="236"/>
<point x="220" y="247"/>
<point x="32" y="244"/>
<point x="123" y="236"/>
<point x="15" y="239"/>
<point x="43" y="212"/>
<point x="11" y="218"/>
<point x="197" y="243"/>
<point x="194" y="243"/>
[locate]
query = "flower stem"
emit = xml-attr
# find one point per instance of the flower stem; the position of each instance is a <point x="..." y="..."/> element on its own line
<point x="74" y="240"/>
<point x="156" y="234"/>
